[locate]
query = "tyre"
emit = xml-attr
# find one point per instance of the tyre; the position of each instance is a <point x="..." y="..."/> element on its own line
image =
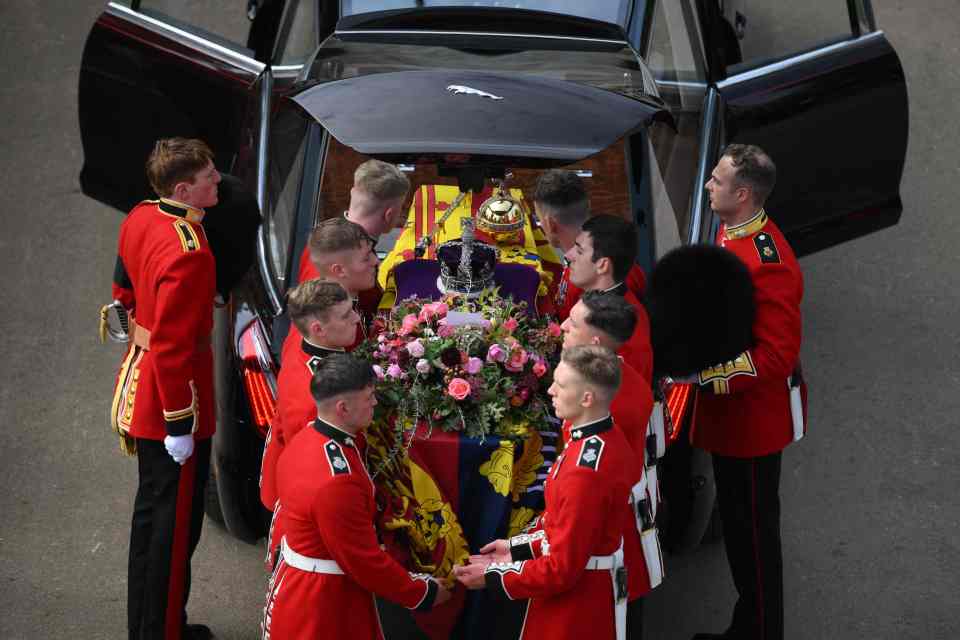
<point x="688" y="495"/>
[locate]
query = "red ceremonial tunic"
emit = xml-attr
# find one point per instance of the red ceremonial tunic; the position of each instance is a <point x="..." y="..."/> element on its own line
<point x="587" y="502"/>
<point x="568" y="293"/>
<point x="328" y="513"/>
<point x="295" y="408"/>
<point x="743" y="408"/>
<point x="637" y="351"/>
<point x="166" y="278"/>
<point x="631" y="409"/>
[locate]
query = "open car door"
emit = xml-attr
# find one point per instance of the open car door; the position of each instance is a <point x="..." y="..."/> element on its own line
<point x="832" y="114"/>
<point x="145" y="76"/>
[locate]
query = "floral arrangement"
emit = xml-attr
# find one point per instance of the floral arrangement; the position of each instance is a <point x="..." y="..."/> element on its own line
<point x="484" y="378"/>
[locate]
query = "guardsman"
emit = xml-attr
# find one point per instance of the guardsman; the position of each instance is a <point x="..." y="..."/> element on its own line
<point x="331" y="564"/>
<point x="323" y="316"/>
<point x="341" y="252"/>
<point x="562" y="206"/>
<point x="571" y="567"/>
<point x="164" y="406"/>
<point x="377" y="201"/>
<point x="749" y="409"/>
<point x="601" y="259"/>
<point x="607" y="320"/>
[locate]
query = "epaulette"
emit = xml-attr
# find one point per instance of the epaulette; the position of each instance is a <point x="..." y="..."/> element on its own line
<point x="766" y="248"/>
<point x="189" y="240"/>
<point x="336" y="459"/>
<point x="590" y="452"/>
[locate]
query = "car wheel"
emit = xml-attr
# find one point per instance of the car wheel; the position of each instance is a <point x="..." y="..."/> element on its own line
<point x="688" y="495"/>
<point x="714" y="531"/>
<point x="237" y="448"/>
<point x="212" y="500"/>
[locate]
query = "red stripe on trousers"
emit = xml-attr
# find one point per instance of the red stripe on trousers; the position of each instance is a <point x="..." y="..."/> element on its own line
<point x="178" y="554"/>
<point x="756" y="547"/>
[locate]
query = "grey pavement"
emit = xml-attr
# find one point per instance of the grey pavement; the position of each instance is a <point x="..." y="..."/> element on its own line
<point x="870" y="503"/>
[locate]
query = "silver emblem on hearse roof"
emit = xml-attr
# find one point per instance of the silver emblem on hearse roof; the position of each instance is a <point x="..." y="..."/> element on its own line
<point x="457" y="89"/>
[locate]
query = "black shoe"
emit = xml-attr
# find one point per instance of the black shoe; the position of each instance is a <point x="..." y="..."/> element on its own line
<point x="197" y="632"/>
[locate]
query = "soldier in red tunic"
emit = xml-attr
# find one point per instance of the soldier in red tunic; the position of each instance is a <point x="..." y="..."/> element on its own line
<point x="575" y="577"/>
<point x="324" y="319"/>
<point x="331" y="564"/>
<point x="562" y="207"/>
<point x="607" y="320"/>
<point x="164" y="406"/>
<point x="601" y="259"/>
<point x="743" y="413"/>
<point x="377" y="201"/>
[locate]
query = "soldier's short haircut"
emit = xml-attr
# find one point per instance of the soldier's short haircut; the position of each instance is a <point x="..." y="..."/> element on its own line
<point x="340" y="373"/>
<point x="564" y="195"/>
<point x="381" y="180"/>
<point x="598" y="366"/>
<point x="611" y="314"/>
<point x="313" y="298"/>
<point x="615" y="238"/>
<point x="175" y="160"/>
<point x="754" y="169"/>
<point x="336" y="234"/>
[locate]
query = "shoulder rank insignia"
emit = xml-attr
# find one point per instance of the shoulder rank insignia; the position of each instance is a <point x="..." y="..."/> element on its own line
<point x="591" y="452"/>
<point x="336" y="459"/>
<point x="188" y="236"/>
<point x="766" y="248"/>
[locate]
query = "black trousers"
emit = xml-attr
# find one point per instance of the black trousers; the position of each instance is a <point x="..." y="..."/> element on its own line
<point x="167" y="520"/>
<point x="748" y="491"/>
<point x="635" y="619"/>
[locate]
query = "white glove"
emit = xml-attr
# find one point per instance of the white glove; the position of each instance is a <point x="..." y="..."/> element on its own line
<point x="179" y="447"/>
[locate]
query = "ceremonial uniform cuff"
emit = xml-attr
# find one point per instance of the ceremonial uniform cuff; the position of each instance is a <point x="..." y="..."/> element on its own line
<point x="521" y="547"/>
<point x="429" y="596"/>
<point x="181" y="426"/>
<point x="494" y="578"/>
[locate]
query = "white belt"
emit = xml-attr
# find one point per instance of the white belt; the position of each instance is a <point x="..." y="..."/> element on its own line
<point x="611" y="563"/>
<point x="305" y="563"/>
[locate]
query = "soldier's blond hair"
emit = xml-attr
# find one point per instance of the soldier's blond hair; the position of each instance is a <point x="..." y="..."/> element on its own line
<point x="381" y="181"/>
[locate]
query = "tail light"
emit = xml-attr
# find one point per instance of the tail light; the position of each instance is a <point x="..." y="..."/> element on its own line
<point x="678" y="401"/>
<point x="259" y="376"/>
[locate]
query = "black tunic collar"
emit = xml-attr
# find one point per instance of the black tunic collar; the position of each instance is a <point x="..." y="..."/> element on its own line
<point x="174" y="208"/>
<point x="591" y="428"/>
<point x="620" y="289"/>
<point x="317" y="351"/>
<point x="334" y="433"/>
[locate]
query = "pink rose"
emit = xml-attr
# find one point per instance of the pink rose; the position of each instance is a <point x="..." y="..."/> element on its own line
<point x="415" y="348"/>
<point x="377" y="369"/>
<point x="474" y="365"/>
<point x="458" y="389"/>
<point x="510" y="324"/>
<point x="441" y="308"/>
<point x="496" y="353"/>
<point x="410" y="322"/>
<point x="539" y="369"/>
<point x="518" y="358"/>
<point x="423" y="366"/>
<point x="394" y="371"/>
<point x="445" y="330"/>
<point x="554" y="329"/>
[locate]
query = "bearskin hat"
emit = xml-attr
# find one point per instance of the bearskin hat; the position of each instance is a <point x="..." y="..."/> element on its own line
<point x="701" y="309"/>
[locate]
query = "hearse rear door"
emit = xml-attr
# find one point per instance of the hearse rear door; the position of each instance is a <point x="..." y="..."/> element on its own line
<point x="832" y="114"/>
